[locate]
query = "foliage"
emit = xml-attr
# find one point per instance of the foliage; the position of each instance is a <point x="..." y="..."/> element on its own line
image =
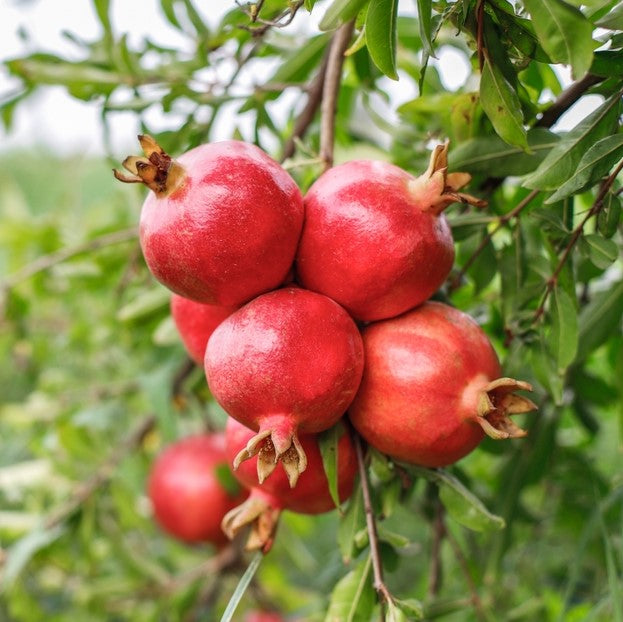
<point x="95" y="380"/>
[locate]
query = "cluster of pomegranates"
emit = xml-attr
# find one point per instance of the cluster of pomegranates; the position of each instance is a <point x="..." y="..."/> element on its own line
<point x="303" y="310"/>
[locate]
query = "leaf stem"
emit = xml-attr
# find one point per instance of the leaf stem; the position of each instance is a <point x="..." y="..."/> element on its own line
<point x="575" y="236"/>
<point x="244" y="582"/>
<point x="331" y="87"/>
<point x="377" y="568"/>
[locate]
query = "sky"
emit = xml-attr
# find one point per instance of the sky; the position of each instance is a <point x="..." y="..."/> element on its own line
<point x="56" y="120"/>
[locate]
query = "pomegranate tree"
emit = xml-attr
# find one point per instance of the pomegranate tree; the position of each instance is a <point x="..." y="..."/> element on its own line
<point x="266" y="501"/>
<point x="195" y="322"/>
<point x="222" y="222"/>
<point x="375" y="238"/>
<point x="432" y="387"/>
<point x="288" y="362"/>
<point x="187" y="490"/>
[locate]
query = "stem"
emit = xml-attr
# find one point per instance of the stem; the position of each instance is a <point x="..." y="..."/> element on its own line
<point x="501" y="222"/>
<point x="331" y="88"/>
<point x="377" y="568"/>
<point x="575" y="236"/>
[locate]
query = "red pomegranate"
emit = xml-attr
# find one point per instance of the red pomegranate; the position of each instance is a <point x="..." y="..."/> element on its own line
<point x="432" y="387"/>
<point x="375" y="239"/>
<point x="289" y="361"/>
<point x="187" y="492"/>
<point x="222" y="223"/>
<point x="195" y="322"/>
<point x="267" y="500"/>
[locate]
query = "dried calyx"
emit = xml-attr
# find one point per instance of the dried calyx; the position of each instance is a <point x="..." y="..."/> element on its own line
<point x="435" y="189"/>
<point x="497" y="401"/>
<point x="156" y="169"/>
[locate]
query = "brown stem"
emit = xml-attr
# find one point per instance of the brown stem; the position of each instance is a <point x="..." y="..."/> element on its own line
<point x="103" y="474"/>
<point x="377" y="568"/>
<point x="479" y="609"/>
<point x="505" y="218"/>
<point x="575" y="236"/>
<point x="331" y="88"/>
<point x="305" y="119"/>
<point x="566" y="99"/>
<point x="283" y="20"/>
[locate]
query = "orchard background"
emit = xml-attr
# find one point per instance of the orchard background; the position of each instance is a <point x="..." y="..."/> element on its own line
<point x="95" y="380"/>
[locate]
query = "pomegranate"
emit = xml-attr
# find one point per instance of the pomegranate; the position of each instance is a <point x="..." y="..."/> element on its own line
<point x="195" y="322"/>
<point x="289" y="361"/>
<point x="267" y="500"/>
<point x="375" y="239"/>
<point x="431" y="387"/>
<point x="222" y="223"/>
<point x="187" y="492"/>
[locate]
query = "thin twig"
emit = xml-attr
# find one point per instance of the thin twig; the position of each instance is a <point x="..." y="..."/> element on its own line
<point x="333" y="79"/>
<point x="305" y="119"/>
<point x="377" y="568"/>
<point x="460" y="557"/>
<point x="45" y="262"/>
<point x="566" y="99"/>
<point x="575" y="236"/>
<point x="502" y="220"/>
<point x="103" y="474"/>
<point x="281" y="21"/>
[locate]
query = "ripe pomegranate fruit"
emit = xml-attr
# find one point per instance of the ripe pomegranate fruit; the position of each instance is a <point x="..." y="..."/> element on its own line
<point x="187" y="492"/>
<point x="222" y="223"/>
<point x="289" y="361"/>
<point x="268" y="499"/>
<point x="195" y="322"/>
<point x="431" y="387"/>
<point x="375" y="239"/>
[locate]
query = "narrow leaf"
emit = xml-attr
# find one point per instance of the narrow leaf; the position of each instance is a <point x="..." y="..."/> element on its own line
<point x="462" y="505"/>
<point x="144" y="305"/>
<point x="564" y="329"/>
<point x="610" y="215"/>
<point x="595" y="163"/>
<point x="501" y="104"/>
<point x="241" y="588"/>
<point x="328" y="442"/>
<point x="491" y="155"/>
<point x="425" y="12"/>
<point x="381" y="35"/>
<point x="353" y="597"/>
<point x="613" y="19"/>
<point x="412" y="607"/>
<point x="561" y="162"/>
<point x="351" y="523"/>
<point x="340" y="12"/>
<point x="603" y="253"/>
<point x="564" y="33"/>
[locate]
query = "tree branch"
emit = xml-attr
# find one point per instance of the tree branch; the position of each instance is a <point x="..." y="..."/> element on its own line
<point x="377" y="568"/>
<point x="331" y="88"/>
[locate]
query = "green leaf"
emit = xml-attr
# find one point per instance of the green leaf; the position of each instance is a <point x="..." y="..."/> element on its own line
<point x="353" y="597"/>
<point x="501" y="104"/>
<point x="425" y="11"/>
<point x="22" y="551"/>
<point x="241" y="588"/>
<point x="562" y="161"/>
<point x="613" y="19"/>
<point x="340" y="12"/>
<point x="490" y="155"/>
<point x="607" y="63"/>
<point x="609" y="216"/>
<point x="564" y="33"/>
<point x="144" y="305"/>
<point x="462" y="505"/>
<point x="328" y="444"/>
<point x="351" y="523"/>
<point x="600" y="319"/>
<point x="595" y="163"/>
<point x="603" y="253"/>
<point x="411" y="607"/>
<point x="168" y="8"/>
<point x="564" y="328"/>
<point x="381" y="31"/>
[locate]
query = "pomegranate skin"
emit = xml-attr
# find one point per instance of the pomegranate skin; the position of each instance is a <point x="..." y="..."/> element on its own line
<point x="371" y="241"/>
<point x="229" y="230"/>
<point x="267" y="500"/>
<point x="428" y="375"/>
<point x="289" y="361"/>
<point x="195" y="322"/>
<point x="188" y="499"/>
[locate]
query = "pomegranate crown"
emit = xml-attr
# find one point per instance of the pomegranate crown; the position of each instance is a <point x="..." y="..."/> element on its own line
<point x="156" y="169"/>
